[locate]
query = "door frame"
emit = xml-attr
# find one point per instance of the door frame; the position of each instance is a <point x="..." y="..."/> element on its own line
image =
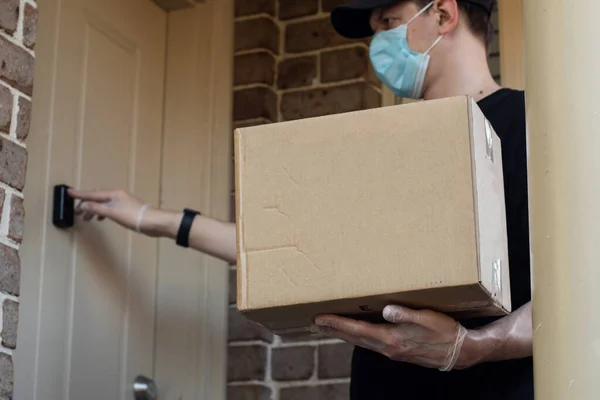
<point x="197" y="120"/>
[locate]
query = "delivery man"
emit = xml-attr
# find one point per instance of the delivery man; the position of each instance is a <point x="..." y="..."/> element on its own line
<point x="420" y="49"/>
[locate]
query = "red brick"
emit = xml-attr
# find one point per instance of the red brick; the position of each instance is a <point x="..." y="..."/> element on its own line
<point x="10" y="320"/>
<point x="312" y="35"/>
<point x="6" y="108"/>
<point x="252" y="122"/>
<point x="232" y="212"/>
<point x="9" y="15"/>
<point x="334" y="100"/>
<point x="494" y="65"/>
<point x="329" y="5"/>
<point x="292" y="363"/>
<point x="23" y="118"/>
<point x="302" y="337"/>
<point x="372" y="98"/>
<point x="244" y="329"/>
<point x="17" y="216"/>
<point x="322" y="392"/>
<point x="30" y="19"/>
<point x="257" y="33"/>
<point x="232" y="286"/>
<point x="171" y="5"/>
<point x="250" y="7"/>
<point x="248" y="392"/>
<point x="297" y="72"/>
<point x="343" y="64"/>
<point x="10" y="270"/>
<point x="16" y="66"/>
<point x="246" y="363"/>
<point x="6" y="377"/>
<point x="13" y="163"/>
<point x="494" y="17"/>
<point x="335" y="360"/>
<point x="494" y="45"/>
<point x="254" y="68"/>
<point x="2" y="197"/>
<point x="289" y="9"/>
<point x="258" y="102"/>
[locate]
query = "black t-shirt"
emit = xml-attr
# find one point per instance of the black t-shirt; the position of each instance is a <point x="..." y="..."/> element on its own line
<point x="376" y="377"/>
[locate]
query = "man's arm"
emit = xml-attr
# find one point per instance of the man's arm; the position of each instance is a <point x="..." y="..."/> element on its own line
<point x="207" y="235"/>
<point x="430" y="339"/>
<point x="505" y="339"/>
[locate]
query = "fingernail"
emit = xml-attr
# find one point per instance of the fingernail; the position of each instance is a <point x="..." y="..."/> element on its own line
<point x="390" y="313"/>
<point x="314" y="329"/>
<point x="322" y="322"/>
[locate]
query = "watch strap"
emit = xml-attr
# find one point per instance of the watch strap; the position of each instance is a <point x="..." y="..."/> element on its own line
<point x="183" y="234"/>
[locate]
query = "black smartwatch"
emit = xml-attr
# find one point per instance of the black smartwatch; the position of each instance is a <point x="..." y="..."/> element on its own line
<point x="183" y="235"/>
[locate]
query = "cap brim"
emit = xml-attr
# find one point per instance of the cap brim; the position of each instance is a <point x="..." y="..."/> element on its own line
<point x="352" y="20"/>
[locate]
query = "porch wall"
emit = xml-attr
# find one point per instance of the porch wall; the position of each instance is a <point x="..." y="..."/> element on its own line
<point x="18" y="21"/>
<point x="290" y="64"/>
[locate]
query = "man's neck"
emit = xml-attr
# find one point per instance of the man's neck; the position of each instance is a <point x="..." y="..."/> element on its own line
<point x="466" y="73"/>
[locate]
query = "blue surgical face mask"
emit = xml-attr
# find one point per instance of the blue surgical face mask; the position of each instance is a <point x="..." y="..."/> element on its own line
<point x="396" y="65"/>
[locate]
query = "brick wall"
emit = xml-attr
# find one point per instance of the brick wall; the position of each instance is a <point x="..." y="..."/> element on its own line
<point x="290" y="64"/>
<point x="18" y="21"/>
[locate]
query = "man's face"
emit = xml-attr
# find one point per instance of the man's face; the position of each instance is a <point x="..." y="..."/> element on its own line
<point x="422" y="31"/>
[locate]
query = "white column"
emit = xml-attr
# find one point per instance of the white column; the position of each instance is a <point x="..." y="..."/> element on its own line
<point x="563" y="110"/>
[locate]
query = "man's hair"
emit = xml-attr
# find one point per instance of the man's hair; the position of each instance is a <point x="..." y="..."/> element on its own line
<point x="477" y="17"/>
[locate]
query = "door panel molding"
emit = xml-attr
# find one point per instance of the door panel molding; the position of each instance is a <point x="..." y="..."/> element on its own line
<point x="197" y="173"/>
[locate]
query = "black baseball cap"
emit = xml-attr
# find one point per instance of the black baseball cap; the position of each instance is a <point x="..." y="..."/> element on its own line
<point x="351" y="20"/>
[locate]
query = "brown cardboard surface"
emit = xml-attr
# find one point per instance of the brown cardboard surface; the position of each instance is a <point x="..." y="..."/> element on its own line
<point x="349" y="212"/>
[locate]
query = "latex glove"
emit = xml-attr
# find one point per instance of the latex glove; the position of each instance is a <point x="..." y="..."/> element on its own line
<point x="424" y="338"/>
<point x="116" y="205"/>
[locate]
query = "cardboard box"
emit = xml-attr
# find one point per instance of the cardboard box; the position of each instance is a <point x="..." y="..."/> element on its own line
<point x="348" y="213"/>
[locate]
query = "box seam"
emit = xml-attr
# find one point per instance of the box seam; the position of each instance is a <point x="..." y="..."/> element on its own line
<point x="242" y="273"/>
<point x="493" y="300"/>
<point x="474" y="185"/>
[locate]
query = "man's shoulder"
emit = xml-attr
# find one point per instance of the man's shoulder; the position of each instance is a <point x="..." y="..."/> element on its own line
<point x="505" y="109"/>
<point x="504" y="105"/>
<point x="504" y="98"/>
<point x="516" y="97"/>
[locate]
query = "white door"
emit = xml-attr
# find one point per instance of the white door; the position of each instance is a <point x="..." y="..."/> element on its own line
<point x="91" y="319"/>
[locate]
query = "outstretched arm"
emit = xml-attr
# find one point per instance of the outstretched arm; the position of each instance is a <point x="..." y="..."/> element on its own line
<point x="207" y="235"/>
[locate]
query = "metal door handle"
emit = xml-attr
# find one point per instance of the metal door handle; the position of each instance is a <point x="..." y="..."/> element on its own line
<point x="144" y="389"/>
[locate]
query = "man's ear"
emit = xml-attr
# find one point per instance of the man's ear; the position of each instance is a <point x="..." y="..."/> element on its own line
<point x="447" y="14"/>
